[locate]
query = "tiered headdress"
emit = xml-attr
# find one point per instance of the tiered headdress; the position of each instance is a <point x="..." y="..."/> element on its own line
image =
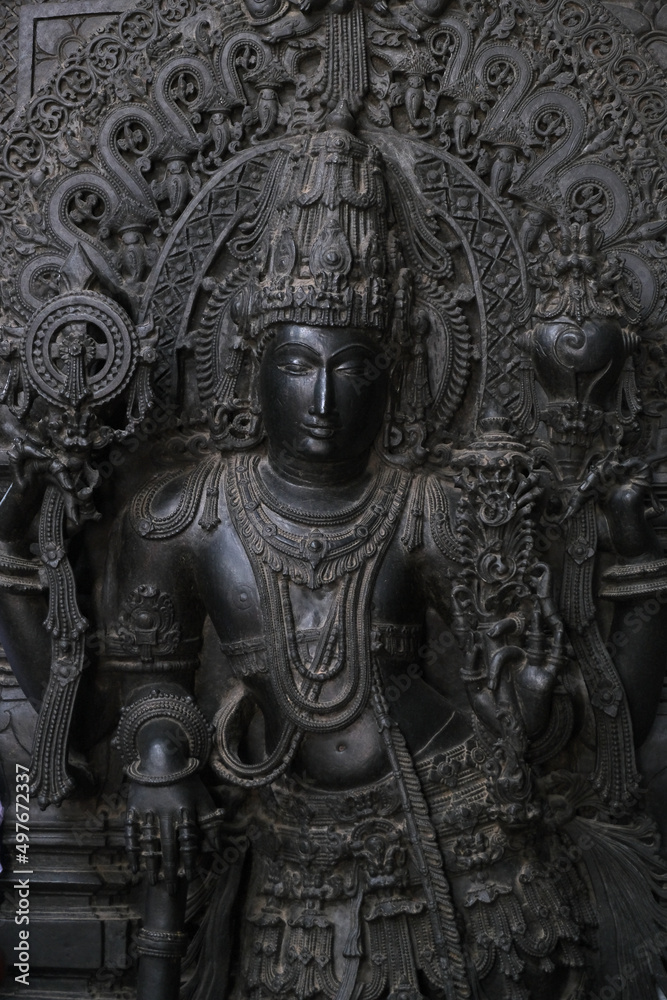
<point x="327" y="261"/>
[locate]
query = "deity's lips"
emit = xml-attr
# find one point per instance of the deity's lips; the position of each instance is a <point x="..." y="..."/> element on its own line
<point x="320" y="430"/>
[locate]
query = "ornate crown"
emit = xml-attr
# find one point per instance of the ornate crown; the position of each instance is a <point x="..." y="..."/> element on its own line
<point x="326" y="258"/>
<point x="337" y="237"/>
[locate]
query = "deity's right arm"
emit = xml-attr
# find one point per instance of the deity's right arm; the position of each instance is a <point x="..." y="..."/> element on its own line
<point x="151" y="610"/>
<point x="153" y="618"/>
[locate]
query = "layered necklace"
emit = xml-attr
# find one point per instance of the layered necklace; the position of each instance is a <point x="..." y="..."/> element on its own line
<point x="331" y="688"/>
<point x="317" y="548"/>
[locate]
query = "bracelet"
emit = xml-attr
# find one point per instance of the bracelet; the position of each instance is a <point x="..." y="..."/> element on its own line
<point x="634" y="579"/>
<point x="162" y="944"/>
<point x="20" y="575"/>
<point x="177" y="708"/>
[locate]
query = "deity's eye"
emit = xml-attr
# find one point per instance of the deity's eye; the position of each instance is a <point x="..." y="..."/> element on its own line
<point x="295" y="367"/>
<point x="352" y="369"/>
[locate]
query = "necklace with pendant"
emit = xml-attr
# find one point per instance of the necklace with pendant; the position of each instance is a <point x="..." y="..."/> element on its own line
<point x="301" y="515"/>
<point x="331" y="689"/>
<point x="313" y="549"/>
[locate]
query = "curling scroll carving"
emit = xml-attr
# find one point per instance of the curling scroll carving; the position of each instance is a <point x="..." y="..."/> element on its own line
<point x="333" y="358"/>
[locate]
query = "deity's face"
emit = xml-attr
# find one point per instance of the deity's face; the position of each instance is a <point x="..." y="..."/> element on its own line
<point x="322" y="394"/>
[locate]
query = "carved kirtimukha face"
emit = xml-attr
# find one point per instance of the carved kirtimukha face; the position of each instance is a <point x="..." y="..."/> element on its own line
<point x="323" y="398"/>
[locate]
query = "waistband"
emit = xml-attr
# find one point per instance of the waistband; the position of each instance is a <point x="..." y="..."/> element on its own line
<point x="399" y="642"/>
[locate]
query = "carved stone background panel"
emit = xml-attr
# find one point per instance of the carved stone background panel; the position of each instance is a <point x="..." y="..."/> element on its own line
<point x="333" y="461"/>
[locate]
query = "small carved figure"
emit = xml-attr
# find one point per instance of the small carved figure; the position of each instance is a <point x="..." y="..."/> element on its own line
<point x="501" y="171"/>
<point x="221" y="132"/>
<point x="267" y="109"/>
<point x="465" y="125"/>
<point x="134" y="256"/>
<point x="414" y="99"/>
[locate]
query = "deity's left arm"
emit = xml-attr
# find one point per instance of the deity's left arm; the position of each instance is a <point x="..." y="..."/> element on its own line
<point x="502" y="667"/>
<point x="637" y="584"/>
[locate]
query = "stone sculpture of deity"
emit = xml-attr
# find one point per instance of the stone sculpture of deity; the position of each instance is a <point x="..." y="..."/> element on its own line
<point x="332" y="351"/>
<point x="396" y="721"/>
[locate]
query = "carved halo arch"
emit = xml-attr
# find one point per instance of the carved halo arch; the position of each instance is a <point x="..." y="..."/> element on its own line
<point x="444" y="194"/>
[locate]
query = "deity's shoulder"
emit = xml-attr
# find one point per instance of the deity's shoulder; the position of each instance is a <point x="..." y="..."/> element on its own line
<point x="169" y="503"/>
<point x="150" y="576"/>
<point x="430" y="515"/>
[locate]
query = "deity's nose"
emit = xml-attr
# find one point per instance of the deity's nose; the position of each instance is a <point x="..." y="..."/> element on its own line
<point x="323" y="396"/>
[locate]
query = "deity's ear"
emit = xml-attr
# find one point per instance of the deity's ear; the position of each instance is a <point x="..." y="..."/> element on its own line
<point x="392" y="433"/>
<point x="228" y="366"/>
<point x="234" y="417"/>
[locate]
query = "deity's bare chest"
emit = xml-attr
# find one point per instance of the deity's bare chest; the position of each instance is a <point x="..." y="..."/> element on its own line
<point x="229" y="589"/>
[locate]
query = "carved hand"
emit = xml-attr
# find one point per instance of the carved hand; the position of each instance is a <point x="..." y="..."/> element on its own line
<point x="518" y="680"/>
<point x="167" y="814"/>
<point x="33" y="469"/>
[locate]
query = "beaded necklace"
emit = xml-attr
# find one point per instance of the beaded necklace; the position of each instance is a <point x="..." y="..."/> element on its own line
<point x="343" y="548"/>
<point x="328" y="545"/>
